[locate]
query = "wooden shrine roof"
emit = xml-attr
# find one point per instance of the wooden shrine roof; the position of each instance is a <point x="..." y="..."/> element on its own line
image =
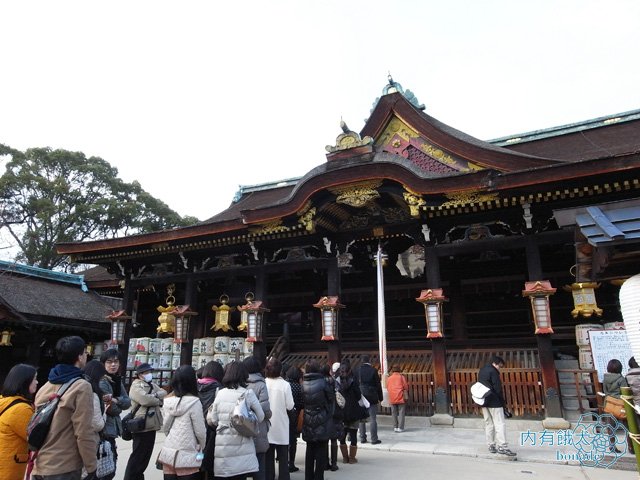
<point x="416" y="152"/>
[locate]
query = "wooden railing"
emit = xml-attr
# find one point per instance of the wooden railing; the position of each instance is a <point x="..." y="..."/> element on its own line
<point x="522" y="389"/>
<point x="578" y="390"/>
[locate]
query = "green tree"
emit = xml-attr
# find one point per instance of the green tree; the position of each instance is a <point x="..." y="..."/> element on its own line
<point x="52" y="196"/>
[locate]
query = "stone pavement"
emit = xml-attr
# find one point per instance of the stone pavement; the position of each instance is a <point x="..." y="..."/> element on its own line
<point x="443" y="447"/>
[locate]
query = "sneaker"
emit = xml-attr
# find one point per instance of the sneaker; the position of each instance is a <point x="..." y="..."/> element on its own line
<point x="376" y="442"/>
<point x="363" y="441"/>
<point x="395" y="429"/>
<point x="506" y="451"/>
<point x="493" y="449"/>
<point x="333" y="468"/>
<point x="293" y="469"/>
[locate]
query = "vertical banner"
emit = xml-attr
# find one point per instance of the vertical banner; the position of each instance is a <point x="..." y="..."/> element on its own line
<point x="382" y="327"/>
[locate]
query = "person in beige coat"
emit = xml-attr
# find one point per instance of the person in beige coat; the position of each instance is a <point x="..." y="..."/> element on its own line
<point x="146" y="400"/>
<point x="184" y="427"/>
<point x="70" y="444"/>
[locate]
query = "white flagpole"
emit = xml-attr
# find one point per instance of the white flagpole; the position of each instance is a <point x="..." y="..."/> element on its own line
<point x="382" y="336"/>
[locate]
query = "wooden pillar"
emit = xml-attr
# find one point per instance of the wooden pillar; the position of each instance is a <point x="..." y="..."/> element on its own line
<point x="33" y="347"/>
<point x="458" y="309"/>
<point x="438" y="347"/>
<point x="334" y="351"/>
<point x="260" y="348"/>
<point x="127" y="305"/>
<point x="191" y="299"/>
<point x="550" y="383"/>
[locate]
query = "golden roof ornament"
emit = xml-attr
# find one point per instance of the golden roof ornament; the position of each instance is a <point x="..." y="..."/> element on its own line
<point x="348" y="139"/>
<point x="166" y="319"/>
<point x="222" y="314"/>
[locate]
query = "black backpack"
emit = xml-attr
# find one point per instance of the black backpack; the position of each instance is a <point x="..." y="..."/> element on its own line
<point x="40" y="423"/>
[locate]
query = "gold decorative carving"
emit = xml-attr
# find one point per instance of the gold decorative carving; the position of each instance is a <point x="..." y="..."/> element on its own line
<point x="348" y="139"/>
<point x="269" y="227"/>
<point x="357" y="195"/>
<point x="459" y="199"/>
<point x="306" y="219"/>
<point x="414" y="201"/>
<point x="396" y="126"/>
<point x="439" y="155"/>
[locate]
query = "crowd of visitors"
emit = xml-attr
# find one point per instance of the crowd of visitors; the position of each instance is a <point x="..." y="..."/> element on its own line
<point x="233" y="423"/>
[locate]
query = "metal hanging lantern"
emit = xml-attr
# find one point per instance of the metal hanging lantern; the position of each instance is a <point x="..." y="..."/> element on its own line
<point x="166" y="319"/>
<point x="118" y="321"/>
<point x="539" y="293"/>
<point x="244" y="315"/>
<point x="432" y="300"/>
<point x="584" y="300"/>
<point x="255" y="312"/>
<point x="222" y="315"/>
<point x="329" y="307"/>
<point x="5" y="338"/>
<point x="182" y="315"/>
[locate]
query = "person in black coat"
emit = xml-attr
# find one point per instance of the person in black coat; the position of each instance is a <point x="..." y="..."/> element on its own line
<point x="347" y="385"/>
<point x="371" y="388"/>
<point x="294" y="377"/>
<point x="319" y="398"/>
<point x="493" y="407"/>
<point x="208" y="386"/>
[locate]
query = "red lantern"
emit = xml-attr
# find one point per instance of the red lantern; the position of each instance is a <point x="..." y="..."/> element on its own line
<point x="432" y="300"/>
<point x="329" y="307"/>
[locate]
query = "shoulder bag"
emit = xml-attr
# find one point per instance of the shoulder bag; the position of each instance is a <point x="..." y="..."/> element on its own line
<point x="106" y="461"/>
<point x="615" y="406"/>
<point x="243" y="419"/>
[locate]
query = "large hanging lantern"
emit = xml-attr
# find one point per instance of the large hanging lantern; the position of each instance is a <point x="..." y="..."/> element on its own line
<point x="584" y="300"/>
<point x="182" y="315"/>
<point x="539" y="292"/>
<point x="329" y="307"/>
<point x="5" y="338"/>
<point x="166" y="319"/>
<point x="432" y="300"/>
<point x="118" y="321"/>
<point x="222" y="315"/>
<point x="255" y="312"/>
<point x="630" y="308"/>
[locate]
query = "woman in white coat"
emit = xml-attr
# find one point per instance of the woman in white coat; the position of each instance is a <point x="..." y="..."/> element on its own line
<point x="186" y="435"/>
<point x="235" y="455"/>
<point x="280" y="400"/>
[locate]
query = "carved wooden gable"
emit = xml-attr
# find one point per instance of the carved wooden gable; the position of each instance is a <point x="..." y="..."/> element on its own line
<point x="401" y="139"/>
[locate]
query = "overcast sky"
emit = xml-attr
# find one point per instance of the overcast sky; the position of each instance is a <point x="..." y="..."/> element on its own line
<point x="195" y="98"/>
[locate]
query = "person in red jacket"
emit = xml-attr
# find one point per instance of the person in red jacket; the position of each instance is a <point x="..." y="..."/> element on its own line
<point x="398" y="389"/>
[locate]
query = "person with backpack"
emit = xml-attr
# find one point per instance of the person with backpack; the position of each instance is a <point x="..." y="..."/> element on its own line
<point x="256" y="383"/>
<point x="16" y="409"/>
<point x="184" y="426"/>
<point x="69" y="444"/>
<point x="208" y="386"/>
<point x="235" y="453"/>
<point x="112" y="387"/>
<point x="146" y="401"/>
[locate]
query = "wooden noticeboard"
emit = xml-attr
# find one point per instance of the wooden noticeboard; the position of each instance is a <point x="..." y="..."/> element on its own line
<point x="607" y="345"/>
